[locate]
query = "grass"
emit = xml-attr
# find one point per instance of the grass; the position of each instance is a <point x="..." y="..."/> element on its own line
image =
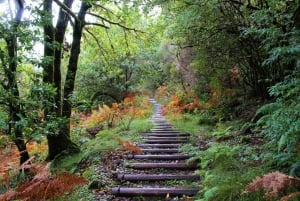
<point x="105" y="140"/>
<point x="186" y="123"/>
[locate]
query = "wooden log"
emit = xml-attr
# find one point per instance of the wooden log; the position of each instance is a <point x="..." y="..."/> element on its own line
<point x="158" y="150"/>
<point x="157" y="177"/>
<point x="165" y="141"/>
<point x="168" y="138"/>
<point x="164" y="128"/>
<point x="158" y="157"/>
<point x="159" y="145"/>
<point x="167" y="134"/>
<point x="163" y="131"/>
<point x="177" y="166"/>
<point x="124" y="191"/>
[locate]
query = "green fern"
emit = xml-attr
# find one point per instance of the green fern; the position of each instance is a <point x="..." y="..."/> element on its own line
<point x="281" y="121"/>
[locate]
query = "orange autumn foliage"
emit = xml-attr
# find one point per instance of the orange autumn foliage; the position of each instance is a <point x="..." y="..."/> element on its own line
<point x="43" y="186"/>
<point x="128" y="146"/>
<point x="215" y="98"/>
<point x="131" y="107"/>
<point x="161" y="91"/>
<point x="178" y="105"/>
<point x="274" y="184"/>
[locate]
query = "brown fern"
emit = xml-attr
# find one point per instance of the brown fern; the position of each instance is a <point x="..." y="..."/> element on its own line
<point x="43" y="187"/>
<point x="273" y="183"/>
<point x="128" y="146"/>
<point x="290" y="196"/>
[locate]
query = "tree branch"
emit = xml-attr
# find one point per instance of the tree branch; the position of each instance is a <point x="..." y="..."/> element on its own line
<point x="64" y="7"/>
<point x="105" y="9"/>
<point x="97" y="24"/>
<point x="114" y="23"/>
<point x="98" y="43"/>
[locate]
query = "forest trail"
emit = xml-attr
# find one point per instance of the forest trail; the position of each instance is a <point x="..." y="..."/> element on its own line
<point x="160" y="172"/>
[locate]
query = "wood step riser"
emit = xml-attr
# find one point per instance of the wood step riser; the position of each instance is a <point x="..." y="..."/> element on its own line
<point x="176" y="166"/>
<point x="159" y="145"/>
<point x="165" y="141"/>
<point x="158" y="157"/>
<point x="156" y="177"/>
<point x="123" y="191"/>
<point x="167" y="135"/>
<point x="167" y="138"/>
<point x="160" y="150"/>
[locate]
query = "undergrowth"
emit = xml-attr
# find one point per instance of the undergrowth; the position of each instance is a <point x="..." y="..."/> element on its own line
<point x="241" y="159"/>
<point x="71" y="177"/>
<point x="229" y="162"/>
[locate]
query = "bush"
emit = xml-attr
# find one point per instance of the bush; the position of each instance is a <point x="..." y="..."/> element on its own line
<point x="281" y="121"/>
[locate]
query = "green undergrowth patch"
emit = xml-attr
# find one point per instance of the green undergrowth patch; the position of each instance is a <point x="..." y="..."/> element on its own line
<point x="79" y="193"/>
<point x="188" y="123"/>
<point x="227" y="160"/>
<point x="93" y="151"/>
<point x="105" y="140"/>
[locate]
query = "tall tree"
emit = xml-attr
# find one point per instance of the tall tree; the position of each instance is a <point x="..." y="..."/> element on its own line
<point x="10" y="62"/>
<point x="54" y="41"/>
<point x="54" y="37"/>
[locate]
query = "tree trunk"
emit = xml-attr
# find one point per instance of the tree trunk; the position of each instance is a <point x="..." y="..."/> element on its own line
<point x="11" y="72"/>
<point x="18" y="136"/>
<point x="60" y="31"/>
<point x="61" y="143"/>
<point x="58" y="144"/>
<point x="73" y="61"/>
<point x="48" y="72"/>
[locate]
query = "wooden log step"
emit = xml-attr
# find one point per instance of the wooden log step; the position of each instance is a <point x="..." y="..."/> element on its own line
<point x="164" y="127"/>
<point x="167" y="134"/>
<point x="159" y="145"/>
<point x="158" y="150"/>
<point x="143" y="191"/>
<point x="167" y="138"/>
<point x="158" y="157"/>
<point x="161" y="121"/>
<point x="163" y="131"/>
<point x="165" y="141"/>
<point x="157" y="177"/>
<point x="159" y="118"/>
<point x="175" y="166"/>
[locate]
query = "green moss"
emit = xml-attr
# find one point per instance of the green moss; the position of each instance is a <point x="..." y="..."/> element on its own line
<point x="67" y="163"/>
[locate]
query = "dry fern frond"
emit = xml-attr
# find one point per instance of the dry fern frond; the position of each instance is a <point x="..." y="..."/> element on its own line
<point x="272" y="183"/>
<point x="128" y="146"/>
<point x="43" y="187"/>
<point x="290" y="196"/>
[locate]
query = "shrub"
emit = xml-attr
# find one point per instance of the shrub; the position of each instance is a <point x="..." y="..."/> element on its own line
<point x="281" y="121"/>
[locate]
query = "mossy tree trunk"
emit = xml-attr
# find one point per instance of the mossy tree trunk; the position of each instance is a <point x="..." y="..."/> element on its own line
<point x="61" y="142"/>
<point x="14" y="103"/>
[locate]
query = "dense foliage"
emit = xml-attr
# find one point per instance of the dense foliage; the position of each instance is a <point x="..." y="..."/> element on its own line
<point x="228" y="70"/>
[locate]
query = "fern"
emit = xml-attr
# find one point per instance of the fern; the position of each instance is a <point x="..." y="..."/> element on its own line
<point x="295" y="170"/>
<point x="128" y="146"/>
<point x="281" y="121"/>
<point x="43" y="186"/>
<point x="222" y="172"/>
<point x="274" y="184"/>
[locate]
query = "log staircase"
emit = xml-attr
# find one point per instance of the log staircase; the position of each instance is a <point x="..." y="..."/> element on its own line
<point x="160" y="162"/>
